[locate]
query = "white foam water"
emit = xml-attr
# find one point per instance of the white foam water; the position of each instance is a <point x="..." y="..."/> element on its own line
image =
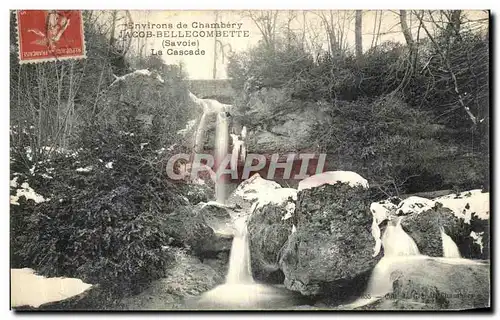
<point x="221" y="146"/>
<point x="397" y="242"/>
<point x="240" y="270"/>
<point x="450" y="249"/>
<point x="241" y="292"/>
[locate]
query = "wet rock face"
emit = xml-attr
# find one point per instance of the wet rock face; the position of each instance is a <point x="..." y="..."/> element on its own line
<point x="428" y="284"/>
<point x="424" y="229"/>
<point x="333" y="242"/>
<point x="269" y="228"/>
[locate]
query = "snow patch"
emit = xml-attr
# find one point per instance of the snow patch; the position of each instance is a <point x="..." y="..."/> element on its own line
<point x="142" y="72"/>
<point x="252" y="188"/>
<point x="467" y="204"/>
<point x="414" y="205"/>
<point x="29" y="289"/>
<point x="27" y="192"/>
<point x="478" y="238"/>
<point x="189" y="125"/>
<point x="381" y="210"/>
<point x="376" y="236"/>
<point x="332" y="177"/>
<point x="86" y="169"/>
<point x="13" y="182"/>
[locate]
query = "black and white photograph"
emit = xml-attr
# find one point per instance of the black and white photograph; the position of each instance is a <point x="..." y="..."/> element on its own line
<point x="251" y="160"/>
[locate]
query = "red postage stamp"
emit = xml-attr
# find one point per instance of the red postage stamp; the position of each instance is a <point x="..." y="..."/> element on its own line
<point x="50" y="35"/>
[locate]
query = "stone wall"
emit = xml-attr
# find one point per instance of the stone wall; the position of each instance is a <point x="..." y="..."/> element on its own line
<point x="211" y="89"/>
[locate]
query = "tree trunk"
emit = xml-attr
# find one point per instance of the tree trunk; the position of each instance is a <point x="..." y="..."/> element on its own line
<point x="405" y="29"/>
<point x="358" y="33"/>
<point x="214" y="67"/>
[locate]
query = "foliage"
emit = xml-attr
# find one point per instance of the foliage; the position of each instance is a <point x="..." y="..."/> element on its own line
<point x="394" y="112"/>
<point x="105" y="176"/>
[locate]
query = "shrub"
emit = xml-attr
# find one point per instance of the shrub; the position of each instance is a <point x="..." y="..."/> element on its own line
<point x="109" y="195"/>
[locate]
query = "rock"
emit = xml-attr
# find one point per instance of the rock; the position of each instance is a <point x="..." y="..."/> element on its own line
<point x="269" y="227"/>
<point x="332" y="177"/>
<point x="217" y="217"/>
<point x="473" y="208"/>
<point x="424" y="228"/>
<point x="291" y="130"/>
<point x="424" y="283"/>
<point x="249" y="192"/>
<point x="413" y="204"/>
<point x="190" y="230"/>
<point x="382" y="210"/>
<point x="333" y="244"/>
<point x="197" y="193"/>
<point x="270" y="208"/>
<point x="219" y="263"/>
<point x="467" y="204"/>
<point x="464" y="216"/>
<point x="187" y="278"/>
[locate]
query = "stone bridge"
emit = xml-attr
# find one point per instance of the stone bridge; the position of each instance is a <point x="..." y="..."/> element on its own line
<point x="219" y="89"/>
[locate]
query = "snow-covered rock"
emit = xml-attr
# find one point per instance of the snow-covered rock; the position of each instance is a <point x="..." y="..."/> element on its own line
<point x="468" y="203"/>
<point x="332" y="177"/>
<point x="382" y="210"/>
<point x="414" y="205"/>
<point x="256" y="187"/>
<point x="29" y="289"/>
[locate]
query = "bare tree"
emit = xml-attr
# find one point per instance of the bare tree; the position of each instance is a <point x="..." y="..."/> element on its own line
<point x="446" y="62"/>
<point x="358" y="33"/>
<point x="266" y="21"/>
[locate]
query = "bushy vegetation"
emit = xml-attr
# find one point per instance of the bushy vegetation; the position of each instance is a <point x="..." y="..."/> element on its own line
<point x="397" y="114"/>
<point x="96" y="150"/>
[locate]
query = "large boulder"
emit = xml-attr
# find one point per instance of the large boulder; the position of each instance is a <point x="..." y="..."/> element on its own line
<point x="269" y="226"/>
<point x="332" y="177"/>
<point x="188" y="229"/>
<point x="332" y="246"/>
<point x="425" y="229"/>
<point x="249" y="192"/>
<point x="424" y="283"/>
<point x="473" y="208"/>
<point x="463" y="216"/>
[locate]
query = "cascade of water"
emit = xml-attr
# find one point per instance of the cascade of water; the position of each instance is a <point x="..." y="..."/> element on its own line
<point x="397" y="242"/>
<point x="221" y="145"/>
<point x="450" y="249"/>
<point x="240" y="271"/>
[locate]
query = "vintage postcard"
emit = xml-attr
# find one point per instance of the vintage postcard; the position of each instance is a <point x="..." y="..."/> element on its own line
<point x="250" y="160"/>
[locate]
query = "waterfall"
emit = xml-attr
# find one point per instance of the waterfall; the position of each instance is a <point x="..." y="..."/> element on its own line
<point x="221" y="145"/>
<point x="397" y="242"/>
<point x="240" y="291"/>
<point x="450" y="249"/>
<point x="399" y="250"/>
<point x="239" y="261"/>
